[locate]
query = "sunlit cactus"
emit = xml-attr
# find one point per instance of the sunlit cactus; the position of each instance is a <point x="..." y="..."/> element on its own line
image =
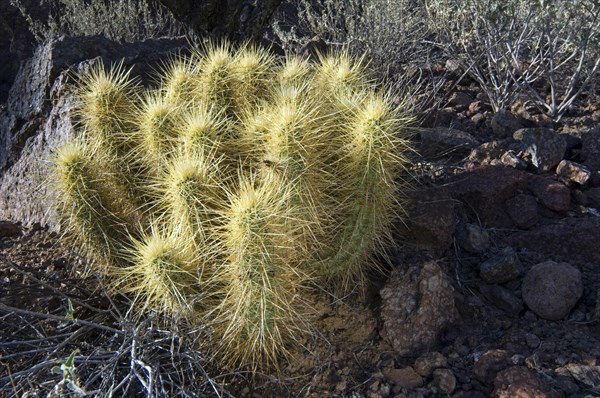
<point x="240" y="182"/>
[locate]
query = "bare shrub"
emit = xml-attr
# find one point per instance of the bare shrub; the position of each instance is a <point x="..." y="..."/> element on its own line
<point x="122" y="20"/>
<point x="545" y="49"/>
<point x="390" y="32"/>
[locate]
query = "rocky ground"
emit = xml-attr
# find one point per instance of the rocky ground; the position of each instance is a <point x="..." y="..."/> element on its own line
<point x="492" y="288"/>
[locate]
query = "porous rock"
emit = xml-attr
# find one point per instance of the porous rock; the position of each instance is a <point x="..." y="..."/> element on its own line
<point x="445" y="380"/>
<point x="473" y="238"/>
<point x="518" y="381"/>
<point x="489" y="364"/>
<point x="552" y="289"/>
<point x="555" y="195"/>
<point x="505" y="123"/>
<point x="428" y="362"/>
<point x="417" y="304"/>
<point x="502" y="267"/>
<point x="523" y="210"/>
<point x="573" y="172"/>
<point x="546" y="147"/>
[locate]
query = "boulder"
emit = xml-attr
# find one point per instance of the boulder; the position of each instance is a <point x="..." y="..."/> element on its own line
<point x="552" y="289"/>
<point x="503" y="267"/>
<point x="573" y="172"/>
<point x="590" y="149"/>
<point x="518" y="381"/>
<point x="417" y="304"/>
<point x="523" y="210"/>
<point x="571" y="239"/>
<point x="504" y="124"/>
<point x="485" y="189"/>
<point x="447" y="142"/>
<point x="553" y="194"/>
<point x="238" y="20"/>
<point x="16" y="41"/>
<point x="545" y="146"/>
<point x="473" y="238"/>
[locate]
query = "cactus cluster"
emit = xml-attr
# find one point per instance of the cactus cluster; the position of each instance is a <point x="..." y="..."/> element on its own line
<point x="239" y="181"/>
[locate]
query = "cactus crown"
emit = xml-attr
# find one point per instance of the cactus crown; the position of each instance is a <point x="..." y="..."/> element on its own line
<point x="220" y="195"/>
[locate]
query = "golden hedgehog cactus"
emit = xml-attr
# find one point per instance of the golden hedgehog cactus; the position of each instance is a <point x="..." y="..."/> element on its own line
<point x="220" y="195"/>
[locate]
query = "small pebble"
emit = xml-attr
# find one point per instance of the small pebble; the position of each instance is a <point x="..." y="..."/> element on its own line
<point x="532" y="340"/>
<point x="517" y="359"/>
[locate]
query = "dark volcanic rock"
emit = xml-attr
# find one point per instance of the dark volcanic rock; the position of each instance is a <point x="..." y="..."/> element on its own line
<point x="8" y="228"/>
<point x="523" y="210"/>
<point x="473" y="238"/>
<point x="546" y="147"/>
<point x="235" y="19"/>
<point x="502" y="298"/>
<point x="502" y="267"/>
<point x="430" y="220"/>
<point x="428" y="362"/>
<point x="489" y="364"/>
<point x="504" y="123"/>
<point x="404" y="377"/>
<point x="551" y="289"/>
<point x="442" y="141"/>
<point x="16" y="41"/>
<point x="445" y="380"/>
<point x="485" y="189"/>
<point x="488" y="152"/>
<point x="555" y="195"/>
<point x="590" y="149"/>
<point x="572" y="239"/>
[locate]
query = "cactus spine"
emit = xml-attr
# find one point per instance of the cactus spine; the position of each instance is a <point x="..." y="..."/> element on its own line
<point x="221" y="195"/>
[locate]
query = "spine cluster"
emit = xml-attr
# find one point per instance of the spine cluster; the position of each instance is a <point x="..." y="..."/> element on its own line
<point x="240" y="180"/>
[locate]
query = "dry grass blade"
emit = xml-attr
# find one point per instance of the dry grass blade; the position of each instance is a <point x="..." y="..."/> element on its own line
<point x="112" y="350"/>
